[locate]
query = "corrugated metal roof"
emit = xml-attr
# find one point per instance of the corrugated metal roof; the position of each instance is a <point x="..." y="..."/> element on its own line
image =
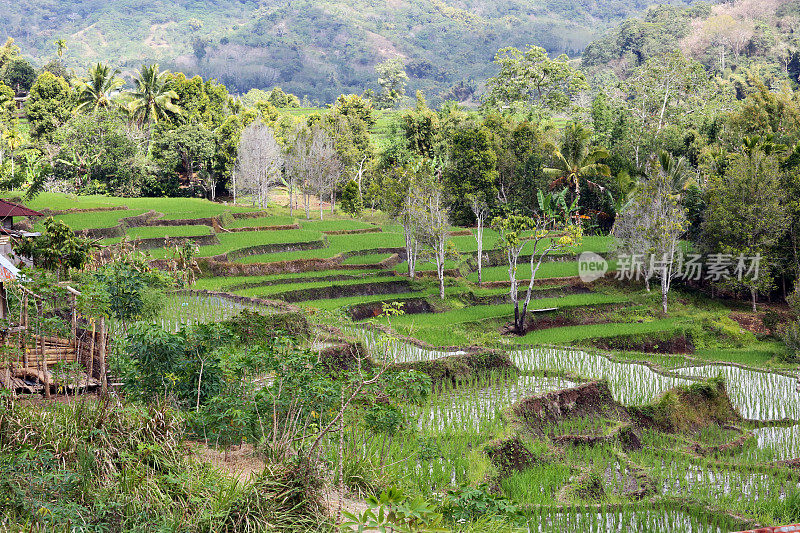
<point x="10" y="209"/>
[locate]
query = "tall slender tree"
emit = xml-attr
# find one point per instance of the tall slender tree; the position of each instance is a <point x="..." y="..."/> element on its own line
<point x="61" y="45"/>
<point x="577" y="161"/>
<point x="151" y="99"/>
<point x="98" y="89"/>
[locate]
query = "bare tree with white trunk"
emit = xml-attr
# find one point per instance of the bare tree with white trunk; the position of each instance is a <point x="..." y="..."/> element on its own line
<point x="299" y="167"/>
<point x="329" y="168"/>
<point x="315" y="166"/>
<point x="434" y="228"/>
<point x="650" y="229"/>
<point x="480" y="208"/>
<point x="259" y="163"/>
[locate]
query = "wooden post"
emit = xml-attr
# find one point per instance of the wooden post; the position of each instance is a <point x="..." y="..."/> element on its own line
<point x="23" y="323"/>
<point x="90" y="368"/>
<point x="7" y="356"/>
<point x="3" y="301"/>
<point x="45" y="369"/>
<point x="103" y="376"/>
<point x="74" y="324"/>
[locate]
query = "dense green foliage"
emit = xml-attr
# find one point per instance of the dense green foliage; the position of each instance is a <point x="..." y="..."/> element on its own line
<point x="319" y="49"/>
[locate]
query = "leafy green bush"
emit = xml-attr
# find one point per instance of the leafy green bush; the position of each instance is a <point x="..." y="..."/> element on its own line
<point x="470" y="503"/>
<point x="408" y="386"/>
<point x="772" y="320"/>
<point x="790" y="335"/>
<point x="393" y="510"/>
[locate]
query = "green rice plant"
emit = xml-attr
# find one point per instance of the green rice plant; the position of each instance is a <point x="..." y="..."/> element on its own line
<point x="635" y="519"/>
<point x="99" y="219"/>
<point x="549" y="269"/>
<point x="336" y="244"/>
<point x="232" y="282"/>
<point x="162" y="232"/>
<point x="482" y="312"/>
<point x="756" y="395"/>
<point x="538" y="485"/>
<point x="572" y="334"/>
<point x="335" y="224"/>
<point x="231" y="242"/>
<point x="479" y="402"/>
<point x="270" y="220"/>
<point x="367" y="259"/>
<point x="276" y="290"/>
<point x="181" y="310"/>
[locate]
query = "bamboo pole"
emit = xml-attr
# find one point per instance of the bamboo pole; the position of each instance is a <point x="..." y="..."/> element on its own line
<point x="103" y="376"/>
<point x="90" y="370"/>
<point x="74" y="323"/>
<point x="44" y="368"/>
<point x="23" y="321"/>
<point x="7" y="355"/>
<point x="3" y="301"/>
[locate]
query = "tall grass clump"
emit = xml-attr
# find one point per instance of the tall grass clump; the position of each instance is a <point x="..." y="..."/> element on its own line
<point x="99" y="465"/>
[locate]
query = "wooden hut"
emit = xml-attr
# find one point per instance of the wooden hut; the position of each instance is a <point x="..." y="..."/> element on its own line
<point x="9" y="210"/>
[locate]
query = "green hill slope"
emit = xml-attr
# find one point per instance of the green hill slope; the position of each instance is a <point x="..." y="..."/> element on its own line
<point x="321" y="48"/>
<point x="733" y="39"/>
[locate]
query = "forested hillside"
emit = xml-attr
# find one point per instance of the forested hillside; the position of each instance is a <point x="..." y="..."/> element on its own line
<point x="318" y="48"/>
<point x="735" y="40"/>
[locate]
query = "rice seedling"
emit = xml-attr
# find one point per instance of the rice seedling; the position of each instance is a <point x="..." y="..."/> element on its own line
<point x="395" y="350"/>
<point x="483" y="312"/>
<point x="637" y="520"/>
<point x="774" y="443"/>
<point x="335" y="225"/>
<point x="479" y="403"/>
<point x="756" y="395"/>
<point x="181" y="310"/>
<point x="538" y="485"/>
<point x="336" y="244"/>
<point x="288" y="278"/>
<point x="368" y="259"/>
<point x="278" y="289"/>
<point x="232" y="242"/>
<point x="271" y="220"/>
<point x="630" y="383"/>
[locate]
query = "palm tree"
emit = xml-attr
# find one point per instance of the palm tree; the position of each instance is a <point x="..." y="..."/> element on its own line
<point x="151" y="100"/>
<point x="576" y="161"/>
<point x="675" y="170"/>
<point x="97" y="90"/>
<point x="61" y="45"/>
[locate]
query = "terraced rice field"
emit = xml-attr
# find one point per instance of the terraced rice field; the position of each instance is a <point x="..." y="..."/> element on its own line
<point x="446" y="433"/>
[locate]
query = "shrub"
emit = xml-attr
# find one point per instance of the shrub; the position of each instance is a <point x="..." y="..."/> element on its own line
<point x="790" y="335"/>
<point x="392" y="510"/>
<point x="772" y="320"/>
<point x="470" y="503"/>
<point x="408" y="386"/>
<point x="98" y="466"/>
<point x="351" y="202"/>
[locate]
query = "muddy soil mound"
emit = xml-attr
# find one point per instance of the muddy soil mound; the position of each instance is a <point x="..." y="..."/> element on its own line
<point x="685" y="409"/>
<point x="411" y="306"/>
<point x="462" y="368"/>
<point x="510" y="455"/>
<point x="345" y="356"/>
<point x="688" y="409"/>
<point x="587" y="399"/>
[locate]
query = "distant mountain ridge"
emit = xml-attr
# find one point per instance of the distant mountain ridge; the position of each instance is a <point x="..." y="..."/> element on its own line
<point x="319" y="48"/>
